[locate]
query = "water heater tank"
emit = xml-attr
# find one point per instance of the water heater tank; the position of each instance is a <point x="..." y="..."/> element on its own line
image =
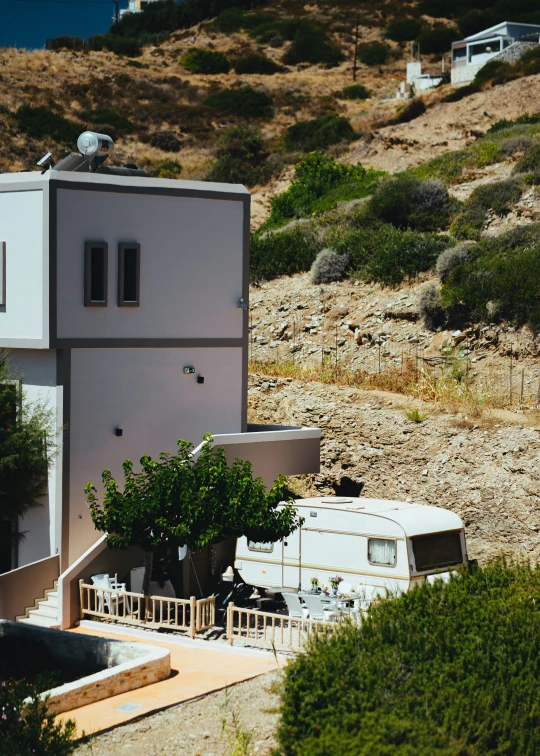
<point x="93" y="145"/>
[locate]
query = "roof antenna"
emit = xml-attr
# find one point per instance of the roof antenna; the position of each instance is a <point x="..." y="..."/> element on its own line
<point x="46" y="162"/>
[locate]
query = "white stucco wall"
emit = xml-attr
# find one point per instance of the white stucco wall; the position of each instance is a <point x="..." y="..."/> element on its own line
<point x="22" y="229"/>
<point x="37" y="370"/>
<point x="464" y="74"/>
<point x="191" y="265"/>
<point x="144" y="392"/>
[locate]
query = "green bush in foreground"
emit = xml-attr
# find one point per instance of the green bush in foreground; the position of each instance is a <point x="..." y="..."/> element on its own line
<point x="241" y="158"/>
<point x="27" y="728"/>
<point x="500" y="279"/>
<point x="529" y="162"/>
<point x="319" y="183"/>
<point x="318" y="133"/>
<point x="244" y="102"/>
<point x="201" y="61"/>
<point x="443" y="670"/>
<point x="498" y="197"/>
<point x="282" y="253"/>
<point x="522" y="120"/>
<point x="42" y="123"/>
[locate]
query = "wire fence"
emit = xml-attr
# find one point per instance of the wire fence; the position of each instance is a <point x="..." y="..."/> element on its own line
<point x="506" y="379"/>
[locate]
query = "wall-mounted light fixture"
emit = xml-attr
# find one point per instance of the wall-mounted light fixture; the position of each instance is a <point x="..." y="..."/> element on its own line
<point x="189" y="370"/>
<point x="200" y="379"/>
<point x="242" y="305"/>
<point x="118" y="432"/>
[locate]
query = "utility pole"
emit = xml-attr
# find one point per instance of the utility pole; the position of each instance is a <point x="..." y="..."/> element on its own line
<point x="116" y="11"/>
<point x="356" y="47"/>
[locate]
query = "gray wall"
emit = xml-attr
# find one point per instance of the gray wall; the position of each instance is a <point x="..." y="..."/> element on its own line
<point x="144" y="392"/>
<point x="20" y="588"/>
<point x="191" y="265"/>
<point x="22" y="229"/>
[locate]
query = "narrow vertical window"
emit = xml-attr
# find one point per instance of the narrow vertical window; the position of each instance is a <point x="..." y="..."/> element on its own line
<point x="129" y="264"/>
<point x="2" y="273"/>
<point x="95" y="274"/>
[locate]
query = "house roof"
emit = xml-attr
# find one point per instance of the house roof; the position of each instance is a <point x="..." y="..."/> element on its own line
<point x="140" y="183"/>
<point x="497" y="30"/>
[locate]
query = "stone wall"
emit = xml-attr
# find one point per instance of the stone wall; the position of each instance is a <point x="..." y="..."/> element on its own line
<point x="516" y="51"/>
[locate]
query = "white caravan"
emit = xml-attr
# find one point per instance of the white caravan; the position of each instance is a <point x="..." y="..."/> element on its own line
<point x="370" y="542"/>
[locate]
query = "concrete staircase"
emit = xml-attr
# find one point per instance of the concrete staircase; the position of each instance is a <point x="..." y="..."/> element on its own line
<point x="45" y="610"/>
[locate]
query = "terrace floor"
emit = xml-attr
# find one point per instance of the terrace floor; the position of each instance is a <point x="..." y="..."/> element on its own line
<point x="197" y="668"/>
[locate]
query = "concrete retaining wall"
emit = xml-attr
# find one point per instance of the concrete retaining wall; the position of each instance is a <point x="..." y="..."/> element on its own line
<point x="21" y="587"/>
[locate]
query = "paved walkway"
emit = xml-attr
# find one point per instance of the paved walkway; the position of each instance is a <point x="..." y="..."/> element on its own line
<point x="198" y="668"/>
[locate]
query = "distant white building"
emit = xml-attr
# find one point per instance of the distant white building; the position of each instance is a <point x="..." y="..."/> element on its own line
<point x="135" y="6"/>
<point x="505" y="41"/>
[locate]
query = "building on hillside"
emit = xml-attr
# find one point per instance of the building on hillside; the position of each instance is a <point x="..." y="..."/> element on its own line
<point x="506" y="41"/>
<point x="134" y="6"/>
<point x="126" y="310"/>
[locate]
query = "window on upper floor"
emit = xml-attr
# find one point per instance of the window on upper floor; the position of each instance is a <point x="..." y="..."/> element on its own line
<point x="129" y="266"/>
<point x="95" y="274"/>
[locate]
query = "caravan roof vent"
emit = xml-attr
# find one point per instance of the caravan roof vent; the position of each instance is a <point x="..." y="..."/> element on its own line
<point x="336" y="500"/>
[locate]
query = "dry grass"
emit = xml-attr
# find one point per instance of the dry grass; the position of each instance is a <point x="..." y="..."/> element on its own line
<point x="445" y="392"/>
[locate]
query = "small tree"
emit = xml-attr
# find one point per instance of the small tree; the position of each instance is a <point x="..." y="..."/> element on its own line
<point x="27" y="445"/>
<point x="183" y="501"/>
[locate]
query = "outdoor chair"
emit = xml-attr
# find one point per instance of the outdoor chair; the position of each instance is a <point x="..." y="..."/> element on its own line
<point x="295" y="607"/>
<point x="104" y="598"/>
<point x="318" y="610"/>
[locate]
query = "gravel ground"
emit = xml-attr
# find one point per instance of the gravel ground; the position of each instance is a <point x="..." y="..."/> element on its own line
<point x="197" y="728"/>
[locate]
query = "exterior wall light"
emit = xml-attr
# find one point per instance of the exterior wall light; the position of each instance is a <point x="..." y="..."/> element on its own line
<point x="242" y="305"/>
<point x="189" y="370"/>
<point x="118" y="432"/>
<point x="200" y="379"/>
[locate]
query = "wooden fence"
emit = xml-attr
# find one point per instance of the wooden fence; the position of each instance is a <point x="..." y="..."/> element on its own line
<point x="190" y="615"/>
<point x="268" y="630"/>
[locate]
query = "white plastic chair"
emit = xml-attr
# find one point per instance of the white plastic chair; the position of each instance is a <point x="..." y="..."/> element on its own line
<point x="102" y="580"/>
<point x="345" y="588"/>
<point x="295" y="607"/>
<point x="318" y="610"/>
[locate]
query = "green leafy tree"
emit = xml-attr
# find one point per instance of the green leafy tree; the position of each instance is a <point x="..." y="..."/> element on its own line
<point x="27" y="445"/>
<point x="185" y="501"/>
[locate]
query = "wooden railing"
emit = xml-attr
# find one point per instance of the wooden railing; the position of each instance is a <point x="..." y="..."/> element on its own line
<point x="272" y="630"/>
<point x="191" y="615"/>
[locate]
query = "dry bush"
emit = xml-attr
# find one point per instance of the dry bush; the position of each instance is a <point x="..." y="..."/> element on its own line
<point x="450" y="259"/>
<point x="329" y="266"/>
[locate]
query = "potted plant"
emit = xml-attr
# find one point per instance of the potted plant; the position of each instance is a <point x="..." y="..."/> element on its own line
<point x="334" y="582"/>
<point x="314" y="584"/>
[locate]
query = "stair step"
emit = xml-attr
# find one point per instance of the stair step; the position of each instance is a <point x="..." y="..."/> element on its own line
<point x="44" y="611"/>
<point x="41" y="621"/>
<point x="52" y="602"/>
<point x="52" y="594"/>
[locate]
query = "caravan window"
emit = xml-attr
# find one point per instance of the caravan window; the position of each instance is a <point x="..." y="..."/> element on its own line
<point x="437" y="550"/>
<point x="256" y="546"/>
<point x="381" y="551"/>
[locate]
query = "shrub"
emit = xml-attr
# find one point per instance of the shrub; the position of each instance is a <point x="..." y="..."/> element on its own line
<point x="510" y="146"/>
<point x="403" y="29"/>
<point x="319" y="133"/>
<point x="430" y="306"/>
<point x="498" y="197"/>
<point x="524" y="119"/>
<point x="461" y="93"/>
<point x="65" y="42"/>
<point x="319" y="184"/>
<point x="244" y="101"/>
<point x="412" y="110"/>
<point x="450" y="259"/>
<point x="201" y="61"/>
<point x="102" y="116"/>
<point x="282" y="253"/>
<point x="230" y="20"/>
<point x="41" y="123"/>
<point x="373" y="54"/>
<point x="406" y="681"/>
<point x="504" y="270"/>
<point x="388" y="255"/>
<point x="437" y="40"/>
<point x="491" y="69"/>
<point x="166" y="141"/>
<point x="128" y="46"/>
<point x="26" y="727"/>
<point x="530" y="161"/>
<point x="312" y="45"/>
<point x="166" y="168"/>
<point x="329" y="266"/>
<point x="241" y="158"/>
<point x="406" y="201"/>
<point x="256" y="64"/>
<point x="355" y="92"/>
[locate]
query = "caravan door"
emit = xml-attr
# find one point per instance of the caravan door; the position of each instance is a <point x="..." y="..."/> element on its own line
<point x="291" y="560"/>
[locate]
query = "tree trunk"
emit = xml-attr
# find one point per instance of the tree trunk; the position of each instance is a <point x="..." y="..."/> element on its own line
<point x="148" y="562"/>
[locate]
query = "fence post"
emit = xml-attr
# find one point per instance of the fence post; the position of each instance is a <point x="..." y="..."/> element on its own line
<point x="81" y="593"/>
<point x="522" y="388"/>
<point x="230" y="609"/>
<point x="192" y="616"/>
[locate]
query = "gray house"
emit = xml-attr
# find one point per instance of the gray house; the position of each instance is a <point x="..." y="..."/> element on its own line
<point x="124" y="305"/>
<point x="506" y="41"/>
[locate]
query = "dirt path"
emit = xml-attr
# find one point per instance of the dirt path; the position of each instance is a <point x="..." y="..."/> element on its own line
<point x="197" y="728"/>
